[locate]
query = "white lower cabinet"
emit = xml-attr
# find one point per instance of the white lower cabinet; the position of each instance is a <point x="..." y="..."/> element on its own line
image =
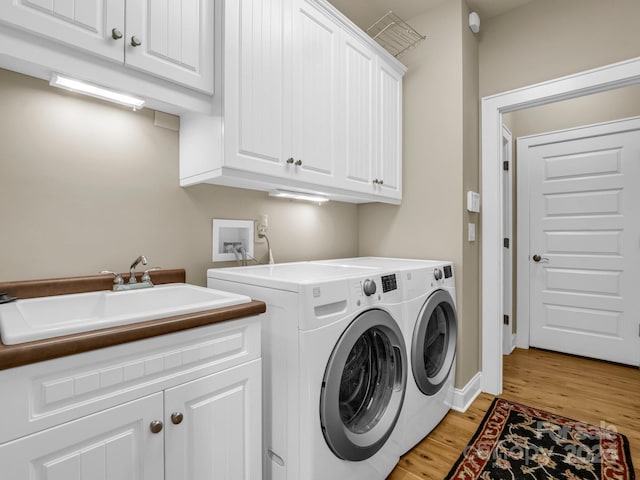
<point x="213" y="426"/>
<point x="115" y="444"/>
<point x="203" y="428"/>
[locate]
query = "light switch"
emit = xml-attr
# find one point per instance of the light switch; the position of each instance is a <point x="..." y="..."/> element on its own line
<point x="473" y="202"/>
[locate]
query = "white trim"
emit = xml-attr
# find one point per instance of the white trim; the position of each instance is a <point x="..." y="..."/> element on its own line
<point x="524" y="200"/>
<point x="584" y="83"/>
<point x="464" y="397"/>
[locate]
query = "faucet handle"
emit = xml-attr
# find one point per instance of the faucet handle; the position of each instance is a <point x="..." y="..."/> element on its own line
<point x="146" y="277"/>
<point x="118" y="280"/>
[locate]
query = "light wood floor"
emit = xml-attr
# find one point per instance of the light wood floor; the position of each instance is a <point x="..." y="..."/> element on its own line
<point x="595" y="392"/>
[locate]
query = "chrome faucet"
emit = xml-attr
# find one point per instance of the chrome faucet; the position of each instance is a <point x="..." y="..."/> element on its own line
<point x="145" y="281"/>
<point x="132" y="268"/>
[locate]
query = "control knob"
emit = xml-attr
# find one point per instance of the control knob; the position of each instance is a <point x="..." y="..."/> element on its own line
<point x="437" y="274"/>
<point x="369" y="287"/>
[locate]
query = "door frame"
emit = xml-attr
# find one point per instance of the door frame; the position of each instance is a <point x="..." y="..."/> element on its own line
<point x="604" y="78"/>
<point x="508" y="341"/>
<point x="523" y="209"/>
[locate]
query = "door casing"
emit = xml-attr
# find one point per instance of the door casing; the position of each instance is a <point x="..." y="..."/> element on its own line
<point x="601" y="79"/>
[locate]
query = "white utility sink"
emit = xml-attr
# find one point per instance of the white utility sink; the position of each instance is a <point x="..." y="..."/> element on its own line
<point x="45" y="317"/>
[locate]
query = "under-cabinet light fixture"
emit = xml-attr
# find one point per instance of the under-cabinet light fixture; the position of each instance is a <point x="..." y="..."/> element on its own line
<point x="307" y="197"/>
<point x="95" y="91"/>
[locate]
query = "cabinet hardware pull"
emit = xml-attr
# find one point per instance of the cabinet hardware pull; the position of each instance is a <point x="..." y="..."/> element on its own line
<point x="176" y="418"/>
<point x="381" y="182"/>
<point x="376" y="181"/>
<point x="298" y="162"/>
<point x="289" y="160"/>
<point x="135" y="41"/>
<point x="156" y="426"/>
<point x="116" y="34"/>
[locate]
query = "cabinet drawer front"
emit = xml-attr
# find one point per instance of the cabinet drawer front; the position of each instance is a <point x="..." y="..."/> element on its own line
<point x="83" y="24"/>
<point x="50" y="393"/>
<point x="115" y="444"/>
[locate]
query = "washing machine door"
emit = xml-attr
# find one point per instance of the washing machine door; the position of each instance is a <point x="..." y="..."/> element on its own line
<point x="433" y="347"/>
<point x="363" y="386"/>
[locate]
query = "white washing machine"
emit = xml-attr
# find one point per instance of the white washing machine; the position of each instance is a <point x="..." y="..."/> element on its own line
<point x="335" y="368"/>
<point x="430" y="331"/>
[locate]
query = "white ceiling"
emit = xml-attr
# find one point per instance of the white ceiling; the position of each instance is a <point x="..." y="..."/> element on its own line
<point x="365" y="12"/>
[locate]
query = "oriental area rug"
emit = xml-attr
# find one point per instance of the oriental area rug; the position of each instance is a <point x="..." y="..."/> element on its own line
<point x="517" y="442"/>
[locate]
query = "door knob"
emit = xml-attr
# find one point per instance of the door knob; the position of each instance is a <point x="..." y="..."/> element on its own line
<point x="156" y="426"/>
<point x="537" y="258"/>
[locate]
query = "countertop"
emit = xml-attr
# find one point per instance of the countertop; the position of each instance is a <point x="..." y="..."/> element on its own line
<point x="25" y="353"/>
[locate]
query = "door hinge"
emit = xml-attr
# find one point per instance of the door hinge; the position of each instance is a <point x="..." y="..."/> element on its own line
<point x="505" y="243"/>
<point x="505" y="319"/>
<point x="505" y="166"/>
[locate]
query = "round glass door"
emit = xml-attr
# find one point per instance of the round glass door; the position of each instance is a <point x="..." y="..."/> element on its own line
<point x="433" y="346"/>
<point x="363" y="386"/>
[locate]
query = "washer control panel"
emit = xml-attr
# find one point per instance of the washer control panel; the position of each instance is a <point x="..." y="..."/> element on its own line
<point x="368" y="291"/>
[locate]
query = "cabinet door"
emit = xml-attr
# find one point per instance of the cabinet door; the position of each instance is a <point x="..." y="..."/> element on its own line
<point x="214" y="426"/>
<point x="84" y="24"/>
<point x="358" y="152"/>
<point x="316" y="90"/>
<point x="174" y="40"/>
<point x="256" y="87"/>
<point x="115" y="444"/>
<point x="389" y="131"/>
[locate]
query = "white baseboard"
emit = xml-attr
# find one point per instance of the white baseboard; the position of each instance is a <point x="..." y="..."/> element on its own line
<point x="464" y="397"/>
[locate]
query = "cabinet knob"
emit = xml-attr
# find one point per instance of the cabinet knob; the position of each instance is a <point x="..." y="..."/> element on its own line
<point x="156" y="426"/>
<point x="116" y="34"/>
<point x="376" y="181"/>
<point x="380" y="182"/>
<point x="135" y="41"/>
<point x="290" y="160"/>
<point x="298" y="162"/>
<point x="176" y="418"/>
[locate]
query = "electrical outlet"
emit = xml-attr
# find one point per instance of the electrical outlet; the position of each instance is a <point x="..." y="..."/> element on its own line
<point x="262" y="225"/>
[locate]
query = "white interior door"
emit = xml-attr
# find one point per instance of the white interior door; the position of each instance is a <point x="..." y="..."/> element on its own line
<point x="584" y="245"/>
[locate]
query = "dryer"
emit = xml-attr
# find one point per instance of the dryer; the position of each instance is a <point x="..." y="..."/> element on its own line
<point x="335" y="367"/>
<point x="430" y="331"/>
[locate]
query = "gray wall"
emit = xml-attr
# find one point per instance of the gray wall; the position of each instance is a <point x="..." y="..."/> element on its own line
<point x="86" y="186"/>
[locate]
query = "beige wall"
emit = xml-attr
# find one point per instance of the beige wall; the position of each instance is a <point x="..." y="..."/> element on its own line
<point x="546" y="39"/>
<point x="439" y="108"/>
<point x="86" y="186"/>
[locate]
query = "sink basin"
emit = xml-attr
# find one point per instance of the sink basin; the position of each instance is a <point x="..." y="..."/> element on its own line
<point x="47" y="317"/>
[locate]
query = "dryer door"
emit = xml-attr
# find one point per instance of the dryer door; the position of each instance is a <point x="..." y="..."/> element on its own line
<point x="363" y="386"/>
<point x="433" y="347"/>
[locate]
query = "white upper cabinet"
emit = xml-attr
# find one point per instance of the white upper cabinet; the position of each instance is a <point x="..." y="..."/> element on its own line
<point x="315" y="93"/>
<point x="389" y="140"/>
<point x="300" y="108"/>
<point x="256" y="106"/>
<point x="359" y="115"/>
<point x="89" y="25"/>
<point x="170" y="39"/>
